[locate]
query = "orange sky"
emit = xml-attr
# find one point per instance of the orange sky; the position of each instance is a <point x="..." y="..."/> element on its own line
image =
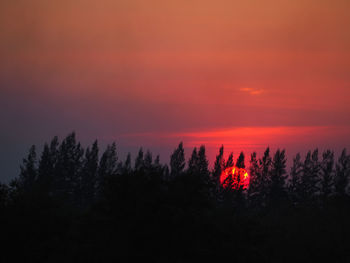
<point x="112" y="69"/>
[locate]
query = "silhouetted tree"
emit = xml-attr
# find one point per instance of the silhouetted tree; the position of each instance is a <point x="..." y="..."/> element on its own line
<point x="237" y="187"/>
<point x="218" y="165"/>
<point x="47" y="166"/>
<point x="255" y="179"/>
<point x="126" y="167"/>
<point x="230" y="162"/>
<point x="29" y="171"/>
<point x="240" y="161"/>
<point x="295" y="187"/>
<point x="143" y="212"/>
<point x="159" y="168"/>
<point x="278" y="177"/>
<point x="193" y="162"/>
<point x="310" y="176"/>
<point x="177" y="161"/>
<point x="157" y="161"/>
<point x="148" y="160"/>
<point x="342" y="174"/>
<point x="139" y="162"/>
<point x="265" y="168"/>
<point x="89" y="176"/>
<point x="327" y="174"/>
<point x="203" y="163"/>
<point x="107" y="167"/>
<point x="68" y="170"/>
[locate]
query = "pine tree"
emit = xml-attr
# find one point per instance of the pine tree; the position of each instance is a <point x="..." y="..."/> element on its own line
<point x="166" y="172"/>
<point x="157" y="161"/>
<point x="239" y="191"/>
<point x="255" y="177"/>
<point x="310" y="176"/>
<point x="107" y="168"/>
<point x="89" y="175"/>
<point x="229" y="162"/>
<point x="240" y="161"/>
<point x="148" y="160"/>
<point x="193" y="162"/>
<point x="278" y="177"/>
<point x="158" y="167"/>
<point x="342" y="174"/>
<point x="46" y="169"/>
<point x="29" y="171"/>
<point x="177" y="161"/>
<point x="316" y="167"/>
<point x="218" y="165"/>
<point x="47" y="166"/>
<point x="148" y="164"/>
<point x="265" y="168"/>
<point x="203" y="163"/>
<point x="139" y="162"/>
<point x="68" y="169"/>
<point x="295" y="184"/>
<point x="327" y="174"/>
<point x="126" y="168"/>
<point x="306" y="177"/>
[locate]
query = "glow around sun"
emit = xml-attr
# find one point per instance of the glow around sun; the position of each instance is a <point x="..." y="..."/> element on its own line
<point x="234" y="177"/>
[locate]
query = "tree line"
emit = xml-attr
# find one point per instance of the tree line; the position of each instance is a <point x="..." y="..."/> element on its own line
<point x="75" y="204"/>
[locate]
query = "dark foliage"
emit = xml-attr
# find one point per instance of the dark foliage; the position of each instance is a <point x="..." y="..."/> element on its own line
<point x="75" y="205"/>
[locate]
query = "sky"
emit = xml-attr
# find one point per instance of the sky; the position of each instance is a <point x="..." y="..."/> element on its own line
<point x="247" y="74"/>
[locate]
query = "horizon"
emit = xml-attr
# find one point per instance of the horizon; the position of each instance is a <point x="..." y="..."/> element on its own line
<point x="165" y="152"/>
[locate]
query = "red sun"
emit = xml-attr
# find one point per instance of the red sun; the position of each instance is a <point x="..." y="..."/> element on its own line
<point x="235" y="178"/>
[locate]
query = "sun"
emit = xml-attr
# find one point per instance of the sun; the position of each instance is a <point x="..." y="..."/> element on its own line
<point x="235" y="178"/>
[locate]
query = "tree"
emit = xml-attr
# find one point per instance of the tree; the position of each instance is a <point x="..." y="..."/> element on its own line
<point x="265" y="168"/>
<point x="177" y="161"/>
<point x="159" y="168"/>
<point x="107" y="166"/>
<point x="139" y="162"/>
<point x="148" y="160"/>
<point x="157" y="161"/>
<point x="229" y="162"/>
<point x="255" y="177"/>
<point x="295" y="187"/>
<point x="89" y="175"/>
<point x="68" y="169"/>
<point x="126" y="167"/>
<point x="240" y="161"/>
<point x="193" y="162"/>
<point x="327" y="173"/>
<point x="218" y="165"/>
<point x="316" y="167"/>
<point x="203" y="163"/>
<point x="278" y="177"/>
<point x="29" y="171"/>
<point x="342" y="174"/>
<point x="310" y="176"/>
<point x="47" y="166"/>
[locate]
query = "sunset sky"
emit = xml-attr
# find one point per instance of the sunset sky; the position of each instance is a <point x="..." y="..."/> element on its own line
<point x="246" y="74"/>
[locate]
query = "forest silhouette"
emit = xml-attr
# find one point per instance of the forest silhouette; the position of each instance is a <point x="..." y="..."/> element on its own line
<point x="71" y="204"/>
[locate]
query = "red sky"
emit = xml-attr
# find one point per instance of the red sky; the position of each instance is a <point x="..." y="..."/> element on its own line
<point x="245" y="74"/>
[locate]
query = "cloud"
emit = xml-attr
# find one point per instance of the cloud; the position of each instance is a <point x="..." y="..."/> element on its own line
<point x="252" y="91"/>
